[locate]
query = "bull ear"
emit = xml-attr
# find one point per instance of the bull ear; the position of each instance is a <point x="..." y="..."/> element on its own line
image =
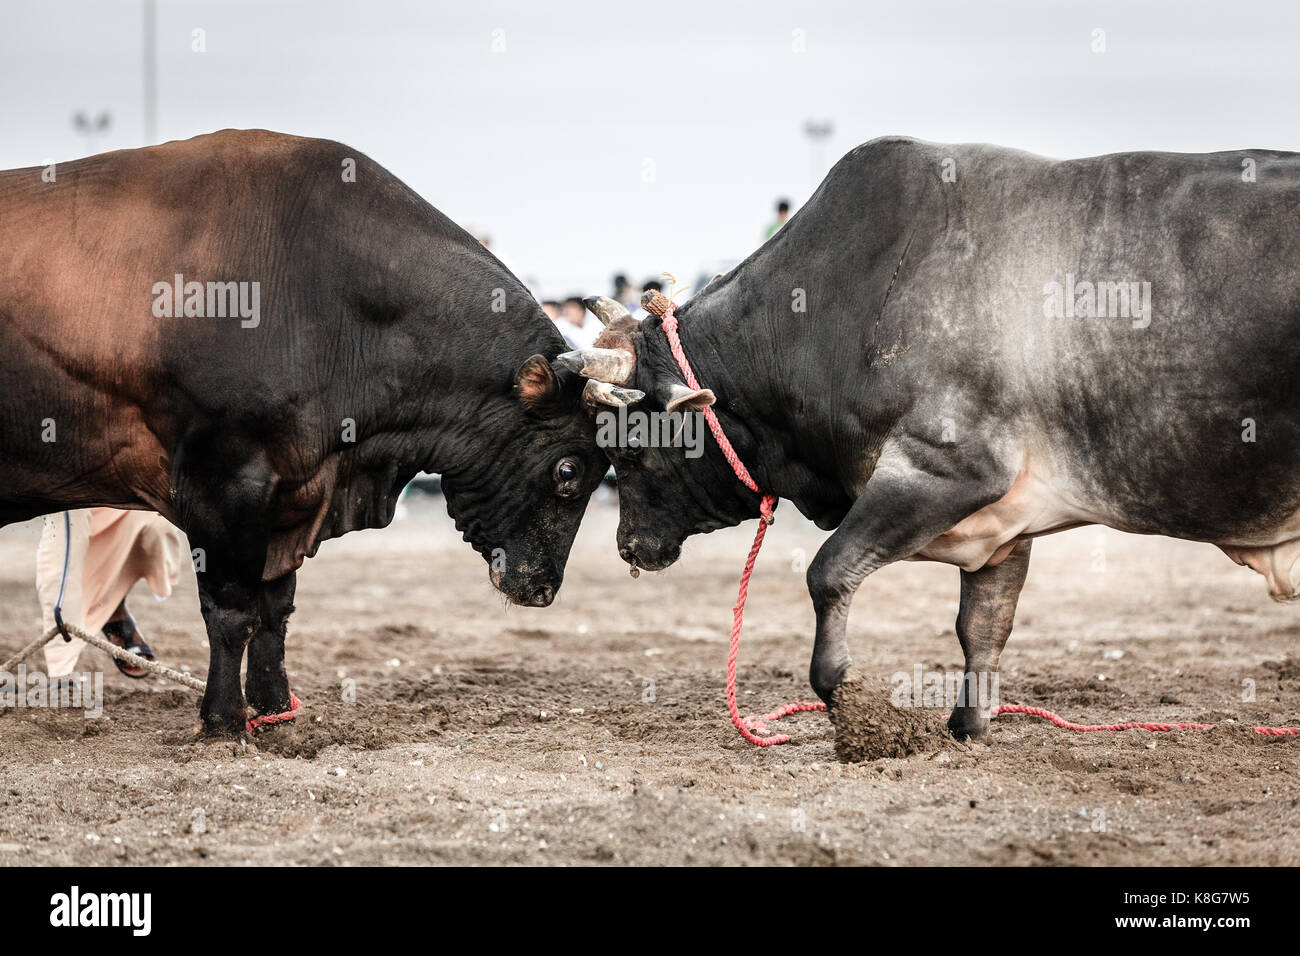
<point x="535" y="382"/>
<point x="678" y="397"/>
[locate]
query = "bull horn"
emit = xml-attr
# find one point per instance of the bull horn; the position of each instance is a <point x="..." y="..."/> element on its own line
<point x="609" y="365"/>
<point x="694" y="399"/>
<point x="603" y="393"/>
<point x="606" y="309"/>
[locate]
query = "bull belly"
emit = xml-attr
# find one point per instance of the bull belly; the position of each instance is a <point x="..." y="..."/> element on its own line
<point x="1276" y="559"/>
<point x="1032" y="507"/>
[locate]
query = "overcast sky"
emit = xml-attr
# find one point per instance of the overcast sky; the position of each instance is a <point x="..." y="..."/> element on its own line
<point x="640" y="137"/>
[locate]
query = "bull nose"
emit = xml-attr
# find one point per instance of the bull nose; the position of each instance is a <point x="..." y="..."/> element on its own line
<point x="541" y="597"/>
<point x="650" y="555"/>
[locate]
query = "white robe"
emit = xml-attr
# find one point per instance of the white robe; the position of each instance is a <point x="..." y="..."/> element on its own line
<point x="111" y="550"/>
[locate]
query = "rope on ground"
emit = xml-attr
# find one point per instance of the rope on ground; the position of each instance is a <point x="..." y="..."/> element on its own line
<point x="108" y="647"/>
<point x="12" y="662"/>
<point x="1132" y="725"/>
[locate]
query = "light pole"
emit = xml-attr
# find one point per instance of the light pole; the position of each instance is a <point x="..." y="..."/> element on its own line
<point x="150" y="73"/>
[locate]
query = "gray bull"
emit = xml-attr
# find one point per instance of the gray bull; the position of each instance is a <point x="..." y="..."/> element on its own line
<point x="953" y="349"/>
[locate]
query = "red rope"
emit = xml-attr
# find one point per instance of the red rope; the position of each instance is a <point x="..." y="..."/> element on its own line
<point x="766" y="508"/>
<point x="295" y="705"/>
<point x="1135" y="725"/>
<point x="747" y="725"/>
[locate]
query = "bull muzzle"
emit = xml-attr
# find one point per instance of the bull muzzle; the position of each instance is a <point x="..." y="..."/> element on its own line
<point x="525" y="590"/>
<point x="648" y="554"/>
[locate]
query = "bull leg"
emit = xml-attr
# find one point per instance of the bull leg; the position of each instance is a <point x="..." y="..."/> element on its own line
<point x="267" y="684"/>
<point x="988" y="606"/>
<point x="901" y="510"/>
<point x="225" y="511"/>
<point x="230" y="611"/>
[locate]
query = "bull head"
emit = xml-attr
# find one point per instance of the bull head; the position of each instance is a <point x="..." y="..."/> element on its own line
<point x="610" y="362"/>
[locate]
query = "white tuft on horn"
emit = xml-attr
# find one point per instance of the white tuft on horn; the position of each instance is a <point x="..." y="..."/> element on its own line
<point x="609" y="365"/>
<point x="603" y="393"/>
<point x="606" y="309"/>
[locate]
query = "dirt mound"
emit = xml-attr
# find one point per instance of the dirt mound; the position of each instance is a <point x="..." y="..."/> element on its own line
<point x="868" y="726"/>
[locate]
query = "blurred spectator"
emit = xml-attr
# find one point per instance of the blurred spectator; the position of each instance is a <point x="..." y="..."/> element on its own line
<point x="577" y="325"/>
<point x="552" y="309"/>
<point x="626" y="293"/>
<point x="782" y="214"/>
<point x="622" y="288"/>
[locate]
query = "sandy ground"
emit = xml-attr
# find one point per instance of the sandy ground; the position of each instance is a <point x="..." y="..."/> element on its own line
<point x="595" y="731"/>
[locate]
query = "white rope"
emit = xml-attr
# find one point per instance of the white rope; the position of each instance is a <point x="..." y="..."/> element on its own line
<point x="31" y="648"/>
<point x="109" y="648"/>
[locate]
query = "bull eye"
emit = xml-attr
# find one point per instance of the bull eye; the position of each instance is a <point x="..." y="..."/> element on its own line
<point x="566" y="471"/>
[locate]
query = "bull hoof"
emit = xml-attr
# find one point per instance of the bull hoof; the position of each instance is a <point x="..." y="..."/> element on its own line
<point x="229" y="726"/>
<point x="968" y="724"/>
<point x="826" y="680"/>
<point x="269" y="700"/>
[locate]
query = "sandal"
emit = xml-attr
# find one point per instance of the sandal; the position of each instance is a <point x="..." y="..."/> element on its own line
<point x="125" y="635"/>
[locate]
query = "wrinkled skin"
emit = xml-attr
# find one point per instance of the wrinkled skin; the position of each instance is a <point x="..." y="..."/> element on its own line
<point x="389" y="341"/>
<point x="926" y="405"/>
